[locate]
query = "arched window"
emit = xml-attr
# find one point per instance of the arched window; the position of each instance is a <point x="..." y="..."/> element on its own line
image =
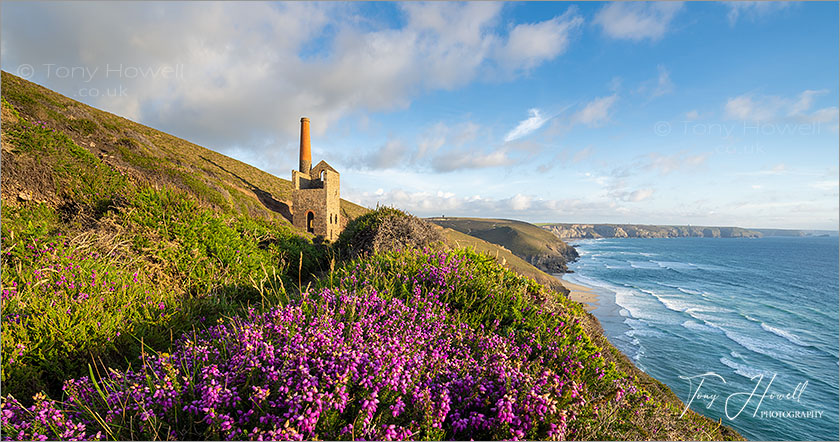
<point x="310" y="222"/>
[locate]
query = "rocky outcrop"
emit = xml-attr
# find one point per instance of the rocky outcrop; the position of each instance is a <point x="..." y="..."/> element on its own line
<point x="554" y="261"/>
<point x="548" y="263"/>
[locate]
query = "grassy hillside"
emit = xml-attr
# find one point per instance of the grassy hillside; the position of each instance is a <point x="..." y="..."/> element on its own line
<point x="527" y="241"/>
<point x="505" y="257"/>
<point x="115" y="234"/>
<point x="140" y="152"/>
<point x="136" y="308"/>
<point x="146" y="155"/>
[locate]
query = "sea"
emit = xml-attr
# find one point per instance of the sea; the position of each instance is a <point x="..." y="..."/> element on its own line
<point x="742" y="330"/>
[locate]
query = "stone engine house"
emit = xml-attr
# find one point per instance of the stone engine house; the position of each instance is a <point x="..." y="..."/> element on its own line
<point x="316" y="201"/>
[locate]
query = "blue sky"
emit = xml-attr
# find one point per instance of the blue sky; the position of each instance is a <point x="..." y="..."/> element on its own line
<point x="660" y="113"/>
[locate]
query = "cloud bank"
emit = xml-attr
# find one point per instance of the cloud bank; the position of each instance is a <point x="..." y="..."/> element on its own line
<point x="244" y="87"/>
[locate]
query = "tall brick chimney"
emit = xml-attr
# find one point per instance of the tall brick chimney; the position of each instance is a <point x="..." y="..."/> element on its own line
<point x="305" y="149"/>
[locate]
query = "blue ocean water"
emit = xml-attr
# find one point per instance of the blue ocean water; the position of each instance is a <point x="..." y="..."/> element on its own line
<point x="755" y="319"/>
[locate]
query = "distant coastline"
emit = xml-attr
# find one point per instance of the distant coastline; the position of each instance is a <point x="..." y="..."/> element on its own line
<point x="570" y="231"/>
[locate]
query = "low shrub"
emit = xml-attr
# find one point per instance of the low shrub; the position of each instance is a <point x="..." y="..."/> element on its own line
<point x="383" y="229"/>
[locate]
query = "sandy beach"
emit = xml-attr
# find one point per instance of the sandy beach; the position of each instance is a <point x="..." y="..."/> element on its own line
<point x="582" y="294"/>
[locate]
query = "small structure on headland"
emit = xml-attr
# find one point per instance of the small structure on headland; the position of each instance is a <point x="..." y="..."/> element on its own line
<point x="316" y="201"/>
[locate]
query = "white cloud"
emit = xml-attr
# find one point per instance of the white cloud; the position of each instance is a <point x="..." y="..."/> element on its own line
<point x="391" y="154"/>
<point x="466" y="159"/>
<point x="465" y="133"/>
<point x="682" y="160"/>
<point x="596" y="112"/>
<point x="439" y="148"/>
<point x="827" y="185"/>
<point x="639" y="195"/>
<point x="529" y="44"/>
<point x="582" y="154"/>
<point x="440" y="135"/>
<point x="518" y="206"/>
<point x="825" y="115"/>
<point x="432" y="140"/>
<point x="777" y="169"/>
<point x="663" y="82"/>
<point x="615" y="84"/>
<point x="692" y="115"/>
<point x="525" y="127"/>
<point x="805" y="101"/>
<point x="765" y="108"/>
<point x="753" y="10"/>
<point x="245" y="86"/>
<point x="744" y="107"/>
<point x="520" y="202"/>
<point x="637" y="20"/>
<point x="663" y="164"/>
<point x="634" y="205"/>
<point x="659" y="86"/>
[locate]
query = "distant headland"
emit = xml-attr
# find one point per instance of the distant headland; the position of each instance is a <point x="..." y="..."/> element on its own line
<point x="582" y="231"/>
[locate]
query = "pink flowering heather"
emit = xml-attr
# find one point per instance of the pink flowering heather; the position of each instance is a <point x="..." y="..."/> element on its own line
<point x="337" y="364"/>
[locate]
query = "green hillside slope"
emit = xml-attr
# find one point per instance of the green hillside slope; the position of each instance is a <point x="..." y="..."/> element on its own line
<point x="142" y="153"/>
<point x="505" y="257"/>
<point x="535" y="245"/>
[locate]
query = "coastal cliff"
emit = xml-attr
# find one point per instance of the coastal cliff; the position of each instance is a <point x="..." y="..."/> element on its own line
<point x="527" y="241"/>
<point x="570" y="231"/>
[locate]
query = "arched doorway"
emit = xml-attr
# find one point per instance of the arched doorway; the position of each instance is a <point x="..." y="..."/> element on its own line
<point x="310" y="222"/>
